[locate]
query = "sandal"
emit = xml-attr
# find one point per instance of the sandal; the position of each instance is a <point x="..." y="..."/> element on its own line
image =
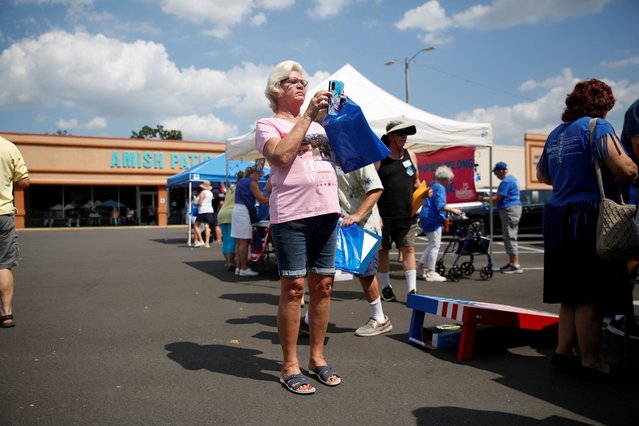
<point x="4" y="324"/>
<point x="324" y="373"/>
<point x="295" y="381"/>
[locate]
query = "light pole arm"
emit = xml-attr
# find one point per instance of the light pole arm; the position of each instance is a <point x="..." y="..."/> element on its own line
<point x="407" y="62"/>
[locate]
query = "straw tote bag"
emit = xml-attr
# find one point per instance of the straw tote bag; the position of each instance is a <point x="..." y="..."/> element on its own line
<point x="617" y="237"/>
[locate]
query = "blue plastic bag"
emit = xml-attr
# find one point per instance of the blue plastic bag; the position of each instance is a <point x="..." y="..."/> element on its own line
<point x="355" y="248"/>
<point x="354" y="143"/>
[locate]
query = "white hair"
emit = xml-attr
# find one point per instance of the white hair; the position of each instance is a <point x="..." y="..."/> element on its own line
<point x="444" y="172"/>
<point x="279" y="73"/>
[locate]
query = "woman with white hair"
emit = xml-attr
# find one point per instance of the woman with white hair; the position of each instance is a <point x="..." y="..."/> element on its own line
<point x="304" y="210"/>
<point x="431" y="219"/>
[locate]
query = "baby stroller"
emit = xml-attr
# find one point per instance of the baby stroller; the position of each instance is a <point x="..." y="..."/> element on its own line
<point x="467" y="241"/>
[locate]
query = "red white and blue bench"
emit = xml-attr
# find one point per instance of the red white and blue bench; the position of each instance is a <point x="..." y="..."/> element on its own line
<point x="471" y="314"/>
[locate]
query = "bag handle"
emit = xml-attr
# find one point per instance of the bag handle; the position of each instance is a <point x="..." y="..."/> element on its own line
<point x="591" y="127"/>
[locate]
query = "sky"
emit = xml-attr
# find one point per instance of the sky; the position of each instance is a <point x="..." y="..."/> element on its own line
<point x="107" y="68"/>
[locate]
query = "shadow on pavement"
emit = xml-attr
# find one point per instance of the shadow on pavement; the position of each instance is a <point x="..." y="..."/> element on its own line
<point x="456" y="415"/>
<point x="496" y="351"/>
<point x="234" y="361"/>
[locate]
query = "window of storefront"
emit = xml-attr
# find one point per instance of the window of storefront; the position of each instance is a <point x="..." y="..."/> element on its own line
<point x="93" y="204"/>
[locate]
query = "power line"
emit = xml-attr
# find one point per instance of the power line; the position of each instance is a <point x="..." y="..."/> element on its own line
<point x="476" y="83"/>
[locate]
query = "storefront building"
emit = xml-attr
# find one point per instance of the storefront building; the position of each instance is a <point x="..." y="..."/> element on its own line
<point x="104" y="181"/>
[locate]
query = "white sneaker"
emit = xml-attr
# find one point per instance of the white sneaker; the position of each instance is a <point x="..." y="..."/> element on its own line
<point x="198" y="244"/>
<point x="374" y="328"/>
<point x="434" y="277"/>
<point x="237" y="271"/>
<point x="248" y="272"/>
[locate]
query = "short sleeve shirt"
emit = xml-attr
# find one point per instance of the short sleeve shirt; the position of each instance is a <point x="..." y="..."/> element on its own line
<point x="12" y="169"/>
<point x="509" y="189"/>
<point x="308" y="186"/>
<point x="432" y="215"/>
<point x="353" y="188"/>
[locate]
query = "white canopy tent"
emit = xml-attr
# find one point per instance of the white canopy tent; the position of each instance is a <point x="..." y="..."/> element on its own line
<point x="380" y="107"/>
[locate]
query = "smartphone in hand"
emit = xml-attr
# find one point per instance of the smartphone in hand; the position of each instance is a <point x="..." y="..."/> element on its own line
<point x="336" y="88"/>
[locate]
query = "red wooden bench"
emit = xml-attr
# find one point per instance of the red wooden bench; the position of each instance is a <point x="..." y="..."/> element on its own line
<point x="471" y="314"/>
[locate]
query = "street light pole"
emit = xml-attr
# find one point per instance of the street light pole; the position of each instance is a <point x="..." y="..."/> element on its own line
<point x="407" y="62"/>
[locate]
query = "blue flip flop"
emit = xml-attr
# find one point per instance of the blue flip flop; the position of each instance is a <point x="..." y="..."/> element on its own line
<point x="324" y="373"/>
<point x="294" y="382"/>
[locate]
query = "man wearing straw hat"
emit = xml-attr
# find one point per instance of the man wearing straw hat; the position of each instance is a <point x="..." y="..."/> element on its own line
<point x="399" y="176"/>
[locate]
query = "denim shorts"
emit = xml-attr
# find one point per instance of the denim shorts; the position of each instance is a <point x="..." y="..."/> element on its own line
<point x="306" y="245"/>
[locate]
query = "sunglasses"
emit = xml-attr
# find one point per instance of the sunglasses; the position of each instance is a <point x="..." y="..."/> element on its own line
<point x="293" y="81"/>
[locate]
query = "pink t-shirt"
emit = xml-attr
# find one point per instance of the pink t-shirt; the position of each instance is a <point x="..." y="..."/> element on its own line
<point x="308" y="186"/>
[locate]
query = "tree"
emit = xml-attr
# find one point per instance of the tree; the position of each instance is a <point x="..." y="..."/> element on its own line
<point x="158" y="132"/>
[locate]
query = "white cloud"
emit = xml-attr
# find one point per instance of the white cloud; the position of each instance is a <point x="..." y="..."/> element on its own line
<point x="97" y="123"/>
<point x="274" y="4"/>
<point x="132" y="82"/>
<point x="565" y="79"/>
<point x="433" y="19"/>
<point x="543" y="114"/>
<point x="201" y="127"/>
<point x="73" y="123"/>
<point x="428" y="17"/>
<point x="223" y="15"/>
<point x="634" y="60"/>
<point x="259" y="20"/>
<point x="327" y="8"/>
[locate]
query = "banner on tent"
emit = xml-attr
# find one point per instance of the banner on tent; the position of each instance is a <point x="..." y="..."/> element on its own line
<point x="461" y="160"/>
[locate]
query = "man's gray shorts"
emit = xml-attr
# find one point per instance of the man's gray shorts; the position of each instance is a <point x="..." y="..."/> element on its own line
<point x="8" y="242"/>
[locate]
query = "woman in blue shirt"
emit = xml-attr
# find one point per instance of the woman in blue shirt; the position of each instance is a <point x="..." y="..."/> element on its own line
<point x="431" y="220"/>
<point x="574" y="276"/>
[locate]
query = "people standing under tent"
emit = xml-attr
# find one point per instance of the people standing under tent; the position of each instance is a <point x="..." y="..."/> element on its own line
<point x="205" y="215"/>
<point x="217" y="203"/>
<point x="247" y="193"/>
<point x="431" y="219"/>
<point x="224" y="220"/>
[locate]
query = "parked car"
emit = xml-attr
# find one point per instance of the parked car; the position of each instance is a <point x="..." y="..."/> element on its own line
<point x="533" y="201"/>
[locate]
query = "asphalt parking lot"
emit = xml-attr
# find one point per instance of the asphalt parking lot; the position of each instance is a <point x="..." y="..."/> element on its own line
<point x="131" y="326"/>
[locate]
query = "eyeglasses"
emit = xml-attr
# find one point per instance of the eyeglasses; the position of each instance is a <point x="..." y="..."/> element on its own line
<point x="293" y="81"/>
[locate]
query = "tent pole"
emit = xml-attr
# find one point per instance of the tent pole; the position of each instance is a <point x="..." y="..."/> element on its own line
<point x="227" y="170"/>
<point x="490" y="212"/>
<point x="188" y="216"/>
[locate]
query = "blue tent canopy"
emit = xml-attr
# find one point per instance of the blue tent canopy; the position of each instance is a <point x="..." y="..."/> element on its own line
<point x="213" y="170"/>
